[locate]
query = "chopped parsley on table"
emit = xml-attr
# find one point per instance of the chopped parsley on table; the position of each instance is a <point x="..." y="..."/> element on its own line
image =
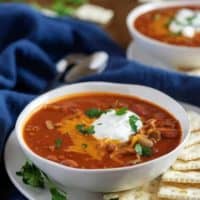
<point x="31" y="175"/>
<point x="34" y="177"/>
<point x="56" y="194"/>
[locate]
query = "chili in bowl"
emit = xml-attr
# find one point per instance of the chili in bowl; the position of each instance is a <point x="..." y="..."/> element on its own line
<point x="86" y="136"/>
<point x="170" y="31"/>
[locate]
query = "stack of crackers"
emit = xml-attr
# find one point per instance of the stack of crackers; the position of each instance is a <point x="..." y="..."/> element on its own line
<point x="181" y="181"/>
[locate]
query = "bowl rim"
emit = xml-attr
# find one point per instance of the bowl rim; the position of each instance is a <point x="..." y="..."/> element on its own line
<point x="20" y="122"/>
<point x="136" y="12"/>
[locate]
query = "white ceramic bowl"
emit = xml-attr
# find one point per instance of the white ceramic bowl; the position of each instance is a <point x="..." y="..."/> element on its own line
<point x="105" y="180"/>
<point x="173" y="55"/>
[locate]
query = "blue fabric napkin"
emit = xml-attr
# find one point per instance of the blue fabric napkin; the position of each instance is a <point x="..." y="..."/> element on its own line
<point x="30" y="45"/>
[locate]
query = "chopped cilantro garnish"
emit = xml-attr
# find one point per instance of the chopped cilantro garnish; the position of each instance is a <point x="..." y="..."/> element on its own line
<point x="138" y="149"/>
<point x="190" y="19"/>
<point x="34" y="177"/>
<point x="84" y="146"/>
<point x="177" y="22"/>
<point x="58" y="143"/>
<point x="168" y="22"/>
<point x="142" y="150"/>
<point x="175" y="34"/>
<point x="132" y="121"/>
<point x="121" y="111"/>
<point x="82" y="128"/>
<point x="93" y="112"/>
<point x="156" y="16"/>
<point x="146" y="151"/>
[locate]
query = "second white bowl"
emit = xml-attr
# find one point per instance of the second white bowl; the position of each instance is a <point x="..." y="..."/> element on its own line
<point x="172" y="55"/>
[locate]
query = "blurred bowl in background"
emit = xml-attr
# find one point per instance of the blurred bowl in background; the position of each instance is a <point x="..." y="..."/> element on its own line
<point x="173" y="55"/>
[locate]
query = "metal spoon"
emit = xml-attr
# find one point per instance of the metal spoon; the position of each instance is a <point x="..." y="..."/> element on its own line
<point x="76" y="66"/>
<point x="93" y="64"/>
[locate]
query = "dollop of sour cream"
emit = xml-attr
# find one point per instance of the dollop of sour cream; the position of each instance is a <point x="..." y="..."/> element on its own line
<point x="186" y="22"/>
<point x="116" y="127"/>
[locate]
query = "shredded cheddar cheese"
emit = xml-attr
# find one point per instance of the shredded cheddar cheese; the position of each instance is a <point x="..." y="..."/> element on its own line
<point x="68" y="126"/>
